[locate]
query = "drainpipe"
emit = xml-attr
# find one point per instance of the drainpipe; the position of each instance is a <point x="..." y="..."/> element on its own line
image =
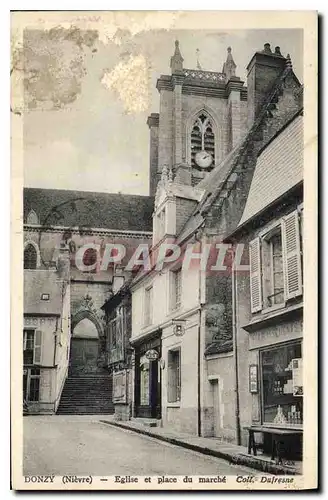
<point x="199" y="405"/>
<point x="235" y="352"/>
<point x="199" y="408"/>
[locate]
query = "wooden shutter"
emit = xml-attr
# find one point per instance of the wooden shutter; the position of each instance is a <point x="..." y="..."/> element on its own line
<point x="37" y="347"/>
<point x="255" y="275"/>
<point x="291" y="255"/>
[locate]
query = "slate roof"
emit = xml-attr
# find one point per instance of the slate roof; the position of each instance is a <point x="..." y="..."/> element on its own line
<point x="37" y="282"/>
<point x="61" y="207"/>
<point x="278" y="169"/>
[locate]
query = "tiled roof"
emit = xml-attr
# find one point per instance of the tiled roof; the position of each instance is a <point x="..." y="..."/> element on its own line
<point x="279" y="168"/>
<point x="36" y="283"/>
<point x="60" y="207"/>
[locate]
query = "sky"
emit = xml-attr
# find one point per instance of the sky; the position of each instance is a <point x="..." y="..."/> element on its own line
<point x="88" y="92"/>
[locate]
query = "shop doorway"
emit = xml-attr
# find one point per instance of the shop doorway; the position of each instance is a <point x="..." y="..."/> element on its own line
<point x="148" y="381"/>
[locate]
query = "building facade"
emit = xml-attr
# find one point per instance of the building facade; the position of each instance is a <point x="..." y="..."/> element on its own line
<point x="195" y="357"/>
<point x="46" y="334"/>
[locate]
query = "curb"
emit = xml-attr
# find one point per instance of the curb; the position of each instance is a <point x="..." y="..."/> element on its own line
<point x="237" y="459"/>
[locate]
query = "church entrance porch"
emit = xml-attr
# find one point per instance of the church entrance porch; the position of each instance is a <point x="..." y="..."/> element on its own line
<point x="88" y="387"/>
<point x="85" y="355"/>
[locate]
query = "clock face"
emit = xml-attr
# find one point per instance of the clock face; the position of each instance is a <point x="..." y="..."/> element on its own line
<point x="203" y="159"/>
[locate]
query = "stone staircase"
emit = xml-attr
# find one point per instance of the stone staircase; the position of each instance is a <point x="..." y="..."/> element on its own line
<point x="87" y="395"/>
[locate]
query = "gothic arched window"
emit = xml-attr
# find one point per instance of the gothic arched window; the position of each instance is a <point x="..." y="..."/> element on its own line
<point x="30" y="257"/>
<point x="32" y="218"/>
<point x="202" y="139"/>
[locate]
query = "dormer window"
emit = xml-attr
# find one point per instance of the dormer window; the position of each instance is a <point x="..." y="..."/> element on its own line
<point x="202" y="143"/>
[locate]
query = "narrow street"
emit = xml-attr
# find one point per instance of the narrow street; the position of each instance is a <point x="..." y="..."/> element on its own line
<point x="84" y="446"/>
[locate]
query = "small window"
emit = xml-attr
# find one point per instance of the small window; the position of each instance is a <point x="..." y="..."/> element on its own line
<point x="30" y="257"/>
<point x="28" y="347"/>
<point x="148" y="306"/>
<point x="32" y="347"/>
<point x="273" y="271"/>
<point x="174" y="376"/>
<point x="176" y="289"/>
<point x="32" y="218"/>
<point x="31" y="384"/>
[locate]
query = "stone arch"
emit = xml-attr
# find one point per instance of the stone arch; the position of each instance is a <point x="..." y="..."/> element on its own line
<point x="87" y="353"/>
<point x="189" y="126"/>
<point x="86" y="314"/>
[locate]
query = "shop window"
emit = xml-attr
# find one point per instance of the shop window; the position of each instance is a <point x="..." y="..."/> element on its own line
<point x="148" y="319"/>
<point x="144" y="381"/>
<point x="275" y="264"/>
<point x="176" y="289"/>
<point x="31" y="384"/>
<point x="282" y="385"/>
<point x="30" y="257"/>
<point x="32" y="347"/>
<point x="174" y="376"/>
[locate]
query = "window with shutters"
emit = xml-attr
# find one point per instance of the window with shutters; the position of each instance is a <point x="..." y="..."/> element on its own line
<point x="174" y="376"/>
<point x="202" y="139"/>
<point x="276" y="265"/>
<point x="32" y="347"/>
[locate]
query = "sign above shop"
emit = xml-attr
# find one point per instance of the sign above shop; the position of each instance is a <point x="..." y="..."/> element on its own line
<point x="179" y="327"/>
<point x="152" y="355"/>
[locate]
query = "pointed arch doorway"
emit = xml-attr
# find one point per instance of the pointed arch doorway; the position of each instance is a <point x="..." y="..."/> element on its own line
<point x="86" y="340"/>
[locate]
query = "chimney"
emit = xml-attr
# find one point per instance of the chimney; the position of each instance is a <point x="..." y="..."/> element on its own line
<point x="63" y="262"/>
<point x="263" y="70"/>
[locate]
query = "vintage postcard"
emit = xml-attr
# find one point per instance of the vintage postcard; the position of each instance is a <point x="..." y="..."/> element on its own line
<point x="164" y="208"/>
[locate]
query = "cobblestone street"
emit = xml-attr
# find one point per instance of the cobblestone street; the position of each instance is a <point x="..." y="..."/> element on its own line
<point x="82" y="445"/>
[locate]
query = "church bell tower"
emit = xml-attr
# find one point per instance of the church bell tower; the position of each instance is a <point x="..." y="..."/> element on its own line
<point x="202" y="116"/>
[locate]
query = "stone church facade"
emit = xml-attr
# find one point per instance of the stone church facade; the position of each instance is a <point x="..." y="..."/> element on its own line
<point x="60" y="222"/>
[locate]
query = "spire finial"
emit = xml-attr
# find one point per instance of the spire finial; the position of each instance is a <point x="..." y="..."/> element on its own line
<point x="197" y="55"/>
<point x="289" y="63"/>
<point x="177" y="59"/>
<point x="229" y="67"/>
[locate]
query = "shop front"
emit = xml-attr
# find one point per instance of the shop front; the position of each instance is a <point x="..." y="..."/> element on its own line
<point x="276" y="384"/>
<point x="147" y="384"/>
<point x="282" y="385"/>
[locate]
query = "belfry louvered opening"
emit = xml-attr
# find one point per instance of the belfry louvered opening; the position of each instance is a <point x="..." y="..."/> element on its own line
<point x="202" y="139"/>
